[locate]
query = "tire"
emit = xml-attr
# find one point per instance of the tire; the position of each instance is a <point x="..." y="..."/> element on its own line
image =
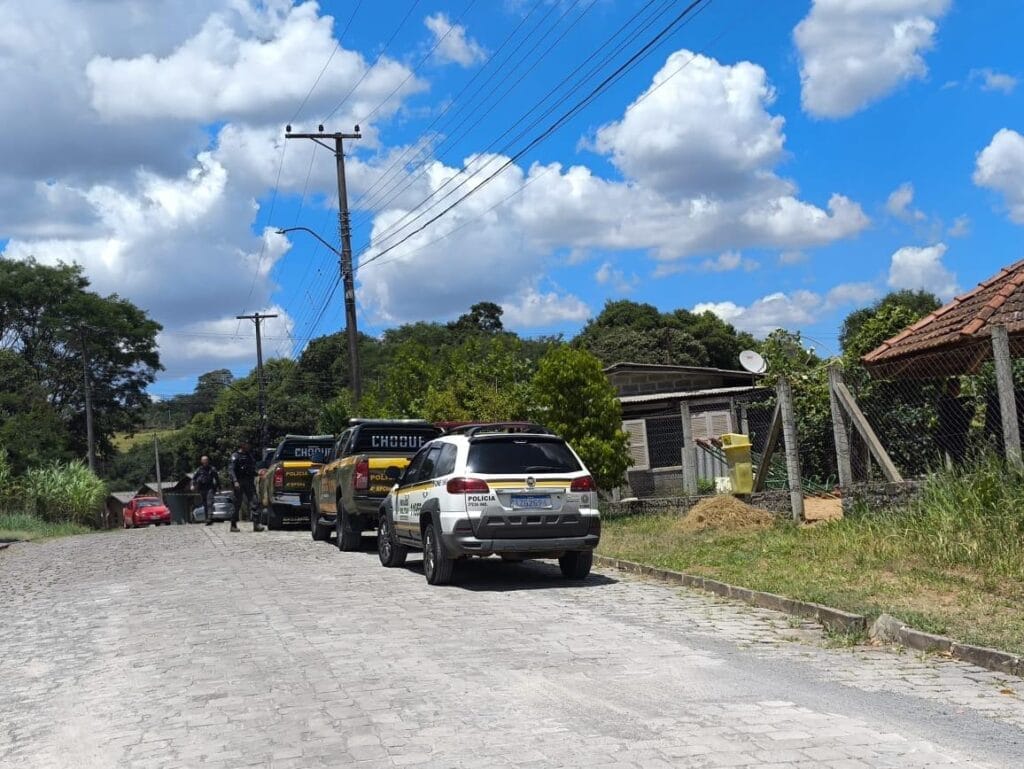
<point x="391" y="553"/>
<point x="319" y="532"/>
<point x="125" y="524"/>
<point x="437" y="566"/>
<point x="349" y="538"/>
<point x="273" y="519"/>
<point x="576" y="564"/>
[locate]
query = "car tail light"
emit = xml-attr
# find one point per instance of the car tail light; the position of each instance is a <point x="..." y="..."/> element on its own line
<point x="585" y="483"/>
<point x="279" y="478"/>
<point x="468" y="486"/>
<point x="361" y="479"/>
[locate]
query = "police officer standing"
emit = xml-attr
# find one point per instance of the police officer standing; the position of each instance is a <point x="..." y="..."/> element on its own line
<point x="206" y="481"/>
<point x="242" y="471"/>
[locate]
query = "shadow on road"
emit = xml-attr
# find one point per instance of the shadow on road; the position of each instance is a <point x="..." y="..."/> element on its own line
<point x="495" y="575"/>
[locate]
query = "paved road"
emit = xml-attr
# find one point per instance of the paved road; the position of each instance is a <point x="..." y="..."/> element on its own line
<point x="194" y="647"/>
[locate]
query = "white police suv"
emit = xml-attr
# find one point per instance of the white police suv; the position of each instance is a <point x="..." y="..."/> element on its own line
<point x="509" y="489"/>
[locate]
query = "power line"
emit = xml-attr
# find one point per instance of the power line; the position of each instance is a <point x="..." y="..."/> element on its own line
<point x="451" y="141"/>
<point x="561" y="121"/>
<point x="337" y="47"/>
<point x="545" y="172"/>
<point x="406" y="220"/>
<point x="416" y="69"/>
<point x="455" y="100"/>
<point x="369" y="69"/>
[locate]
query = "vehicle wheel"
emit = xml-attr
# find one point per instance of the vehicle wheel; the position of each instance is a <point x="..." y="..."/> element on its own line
<point x="576" y="565"/>
<point x="437" y="566"/>
<point x="349" y="537"/>
<point x="390" y="551"/>
<point x="319" y="532"/>
<point x="125" y="524"/>
<point x="273" y="519"/>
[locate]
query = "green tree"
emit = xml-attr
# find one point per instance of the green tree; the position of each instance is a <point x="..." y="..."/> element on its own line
<point x="573" y="397"/>
<point x="59" y="328"/>
<point x="483" y="317"/>
<point x="30" y="429"/>
<point x="897" y="306"/>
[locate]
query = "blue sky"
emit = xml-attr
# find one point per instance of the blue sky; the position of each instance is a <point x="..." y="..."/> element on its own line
<point x="799" y="160"/>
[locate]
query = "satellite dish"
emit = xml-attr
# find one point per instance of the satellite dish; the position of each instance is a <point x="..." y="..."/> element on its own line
<point x="753" y="362"/>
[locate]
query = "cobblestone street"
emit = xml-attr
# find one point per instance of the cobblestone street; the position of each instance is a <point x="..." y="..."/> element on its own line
<point x="194" y="647"/>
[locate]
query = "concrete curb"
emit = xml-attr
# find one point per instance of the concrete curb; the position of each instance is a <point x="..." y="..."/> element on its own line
<point x="886" y="628"/>
<point x="892" y="630"/>
<point x="833" y="619"/>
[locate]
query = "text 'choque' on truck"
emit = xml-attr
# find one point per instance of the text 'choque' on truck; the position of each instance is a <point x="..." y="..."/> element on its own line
<point x="284" y="484"/>
<point x="363" y="465"/>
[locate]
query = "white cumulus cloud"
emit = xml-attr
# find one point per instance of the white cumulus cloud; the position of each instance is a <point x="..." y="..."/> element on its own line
<point x="899" y="204"/>
<point x="453" y="44"/>
<point x="1000" y="167"/>
<point x="922" y="268"/>
<point x="534" y="309"/>
<point x="854" y="52"/>
<point x="993" y="81"/>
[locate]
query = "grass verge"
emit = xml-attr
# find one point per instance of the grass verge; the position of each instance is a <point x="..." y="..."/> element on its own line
<point x="951" y="563"/>
<point x="25" y="527"/>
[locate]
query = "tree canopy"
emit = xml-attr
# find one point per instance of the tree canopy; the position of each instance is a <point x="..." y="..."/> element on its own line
<point x="632" y="332"/>
<point x="62" y="332"/>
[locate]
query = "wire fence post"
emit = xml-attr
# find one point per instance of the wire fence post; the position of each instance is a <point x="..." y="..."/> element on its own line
<point x="796" y="493"/>
<point x="689" y="451"/>
<point x="1007" y="401"/>
<point x="840" y="435"/>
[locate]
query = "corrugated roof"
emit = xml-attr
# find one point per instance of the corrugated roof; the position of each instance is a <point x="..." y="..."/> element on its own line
<point x="964" y="324"/>
<point x="668" y="367"/>
<point x="687" y="395"/>
<point x="124" y="497"/>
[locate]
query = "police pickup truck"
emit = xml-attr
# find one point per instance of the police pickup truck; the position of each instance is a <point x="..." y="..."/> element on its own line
<point x="283" y="485"/>
<point x="364" y="463"/>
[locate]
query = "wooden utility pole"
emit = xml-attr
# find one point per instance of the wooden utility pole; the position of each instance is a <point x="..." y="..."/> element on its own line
<point x="1007" y="398"/>
<point x="344" y="228"/>
<point x="90" y="430"/>
<point x="159" y="480"/>
<point x="261" y="401"/>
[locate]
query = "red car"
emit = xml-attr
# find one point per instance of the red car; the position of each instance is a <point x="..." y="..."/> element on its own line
<point x="143" y="511"/>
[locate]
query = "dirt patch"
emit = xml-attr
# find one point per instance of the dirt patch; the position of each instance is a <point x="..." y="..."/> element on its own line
<point x="724" y="512"/>
<point x="822" y="509"/>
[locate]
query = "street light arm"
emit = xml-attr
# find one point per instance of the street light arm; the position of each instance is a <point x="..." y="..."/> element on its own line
<point x="314" y="234"/>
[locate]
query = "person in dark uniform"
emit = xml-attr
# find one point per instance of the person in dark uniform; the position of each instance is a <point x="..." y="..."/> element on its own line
<point x="242" y="471"/>
<point x="206" y="481"/>
<point x="954" y="423"/>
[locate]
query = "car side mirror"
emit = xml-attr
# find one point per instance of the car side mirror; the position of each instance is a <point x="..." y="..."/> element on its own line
<point x="393" y="473"/>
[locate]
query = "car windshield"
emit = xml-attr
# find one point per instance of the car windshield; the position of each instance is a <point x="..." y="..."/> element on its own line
<point x="310" y="452"/>
<point x="400" y="439"/>
<point x="149" y="503"/>
<point x="521" y="455"/>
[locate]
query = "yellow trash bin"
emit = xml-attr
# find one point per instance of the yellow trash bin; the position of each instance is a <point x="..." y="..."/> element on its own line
<point x="737" y="455"/>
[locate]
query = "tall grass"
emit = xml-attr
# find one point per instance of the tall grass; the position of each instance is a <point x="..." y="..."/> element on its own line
<point x="971" y="518"/>
<point x="63" y="492"/>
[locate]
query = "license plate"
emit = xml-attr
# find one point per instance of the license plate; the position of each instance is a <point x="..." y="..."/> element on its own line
<point x="531" y="502"/>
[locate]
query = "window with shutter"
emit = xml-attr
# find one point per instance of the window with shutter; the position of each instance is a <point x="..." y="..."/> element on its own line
<point x="710" y="424"/>
<point x="636" y="429"/>
<point x="720" y="423"/>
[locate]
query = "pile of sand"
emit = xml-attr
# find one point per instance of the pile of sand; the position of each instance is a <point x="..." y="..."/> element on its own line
<point x="726" y="513"/>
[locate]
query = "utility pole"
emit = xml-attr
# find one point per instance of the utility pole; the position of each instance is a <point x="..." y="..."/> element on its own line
<point x="90" y="434"/>
<point x="159" y="484"/>
<point x="347" y="279"/>
<point x="258" y="318"/>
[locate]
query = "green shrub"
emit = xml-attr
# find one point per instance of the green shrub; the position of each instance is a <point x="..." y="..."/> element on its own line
<point x="59" y="492"/>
